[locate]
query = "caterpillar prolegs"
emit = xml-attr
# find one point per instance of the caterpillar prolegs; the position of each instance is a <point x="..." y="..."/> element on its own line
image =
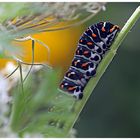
<point x="92" y="46"/>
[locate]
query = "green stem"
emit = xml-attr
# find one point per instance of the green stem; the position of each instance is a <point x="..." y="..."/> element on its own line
<point x="21" y="77"/>
<point x="33" y="43"/>
<point x="104" y="64"/>
<point x="12" y="72"/>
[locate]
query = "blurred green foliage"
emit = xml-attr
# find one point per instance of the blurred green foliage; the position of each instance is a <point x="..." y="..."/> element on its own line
<point x="113" y="109"/>
<point x="40" y="109"/>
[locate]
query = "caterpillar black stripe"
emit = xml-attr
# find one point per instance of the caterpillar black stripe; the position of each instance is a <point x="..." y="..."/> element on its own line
<point x="92" y="46"/>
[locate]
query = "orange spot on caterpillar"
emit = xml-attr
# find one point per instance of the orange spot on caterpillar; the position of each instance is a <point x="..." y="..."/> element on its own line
<point x="71" y="88"/>
<point x="84" y="64"/>
<point x="81" y="40"/>
<point x="94" y="35"/>
<point x="86" y="52"/>
<point x="89" y="43"/>
<point x="111" y="30"/>
<point x="103" y="29"/>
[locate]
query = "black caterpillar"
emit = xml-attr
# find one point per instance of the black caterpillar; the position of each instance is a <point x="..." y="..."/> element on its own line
<point x="92" y="46"/>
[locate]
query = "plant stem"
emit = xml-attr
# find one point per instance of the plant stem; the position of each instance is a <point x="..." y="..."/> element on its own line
<point x="21" y="77"/>
<point x="104" y="64"/>
<point x="33" y="45"/>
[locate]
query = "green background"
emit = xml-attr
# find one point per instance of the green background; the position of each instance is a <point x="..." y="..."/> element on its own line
<point x="113" y="110"/>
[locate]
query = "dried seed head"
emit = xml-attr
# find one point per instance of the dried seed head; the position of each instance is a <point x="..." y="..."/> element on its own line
<point x="42" y="16"/>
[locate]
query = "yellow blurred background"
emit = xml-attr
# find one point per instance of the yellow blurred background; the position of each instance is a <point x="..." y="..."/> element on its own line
<point x="62" y="45"/>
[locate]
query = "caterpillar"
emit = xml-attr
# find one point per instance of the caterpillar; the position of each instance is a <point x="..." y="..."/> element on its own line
<point x="91" y="48"/>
